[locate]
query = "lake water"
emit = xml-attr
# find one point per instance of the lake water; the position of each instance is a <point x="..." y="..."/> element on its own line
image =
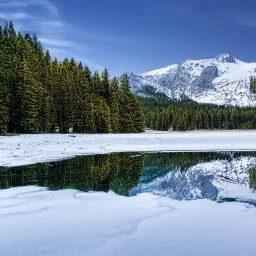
<point x="226" y="176"/>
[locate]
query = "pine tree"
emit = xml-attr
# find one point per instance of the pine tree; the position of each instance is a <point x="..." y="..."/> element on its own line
<point x="125" y="120"/>
<point x="4" y="90"/>
<point x="137" y="115"/>
<point x="131" y="115"/>
<point x="125" y="84"/>
<point x="101" y="115"/>
<point x="47" y="108"/>
<point x="114" y="105"/>
<point x="105" y="85"/>
<point x="32" y="93"/>
<point x="4" y="110"/>
<point x="97" y="84"/>
<point x="87" y="73"/>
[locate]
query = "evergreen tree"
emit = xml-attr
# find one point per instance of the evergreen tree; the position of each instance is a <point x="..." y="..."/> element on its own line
<point x="125" y="120"/>
<point x="105" y="85"/>
<point x="97" y="84"/>
<point x="101" y="115"/>
<point x="32" y="93"/>
<point x="131" y="116"/>
<point x="114" y="105"/>
<point x="137" y="115"/>
<point x="4" y="111"/>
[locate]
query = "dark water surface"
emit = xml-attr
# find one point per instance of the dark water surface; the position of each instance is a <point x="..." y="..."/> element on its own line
<point x="176" y="175"/>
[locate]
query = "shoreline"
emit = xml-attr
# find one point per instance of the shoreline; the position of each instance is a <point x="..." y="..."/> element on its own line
<point x="38" y="148"/>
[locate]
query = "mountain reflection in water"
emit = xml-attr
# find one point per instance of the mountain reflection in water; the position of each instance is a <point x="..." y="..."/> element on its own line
<point x="184" y="175"/>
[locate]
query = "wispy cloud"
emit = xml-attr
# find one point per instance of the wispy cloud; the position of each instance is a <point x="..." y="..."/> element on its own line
<point x="56" y="42"/>
<point x="27" y="3"/>
<point x="57" y="51"/>
<point x="14" y="16"/>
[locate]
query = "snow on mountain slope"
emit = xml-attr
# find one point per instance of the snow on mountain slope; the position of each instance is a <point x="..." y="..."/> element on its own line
<point x="223" y="80"/>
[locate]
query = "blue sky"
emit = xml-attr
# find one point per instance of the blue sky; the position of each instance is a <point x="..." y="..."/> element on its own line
<point x="137" y="35"/>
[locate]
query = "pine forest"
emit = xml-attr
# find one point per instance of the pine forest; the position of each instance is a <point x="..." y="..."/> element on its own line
<point x="41" y="94"/>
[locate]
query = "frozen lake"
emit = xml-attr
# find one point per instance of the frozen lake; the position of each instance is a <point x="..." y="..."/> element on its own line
<point x="131" y="204"/>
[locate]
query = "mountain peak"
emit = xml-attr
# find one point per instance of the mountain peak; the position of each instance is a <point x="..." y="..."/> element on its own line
<point x="226" y="58"/>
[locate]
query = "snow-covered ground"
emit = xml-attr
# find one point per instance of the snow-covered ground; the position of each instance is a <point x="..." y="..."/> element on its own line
<point x="35" y="221"/>
<point x="29" y="149"/>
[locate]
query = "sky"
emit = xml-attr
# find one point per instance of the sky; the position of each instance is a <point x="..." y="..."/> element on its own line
<point x="137" y="35"/>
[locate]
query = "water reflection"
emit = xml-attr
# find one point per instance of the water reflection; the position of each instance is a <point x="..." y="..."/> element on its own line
<point x="116" y="172"/>
<point x="252" y="174"/>
<point x="179" y="176"/>
<point x="196" y="175"/>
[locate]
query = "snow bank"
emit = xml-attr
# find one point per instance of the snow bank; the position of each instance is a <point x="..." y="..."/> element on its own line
<point x="35" y="221"/>
<point x="29" y="149"/>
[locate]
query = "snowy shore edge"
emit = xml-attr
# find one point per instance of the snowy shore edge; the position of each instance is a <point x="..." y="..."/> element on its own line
<point x="31" y="149"/>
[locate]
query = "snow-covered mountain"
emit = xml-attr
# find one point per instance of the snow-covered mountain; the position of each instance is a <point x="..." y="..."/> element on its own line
<point x="223" y="80"/>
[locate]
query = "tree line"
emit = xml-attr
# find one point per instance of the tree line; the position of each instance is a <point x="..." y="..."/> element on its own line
<point x="41" y="94"/>
<point x="162" y="114"/>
